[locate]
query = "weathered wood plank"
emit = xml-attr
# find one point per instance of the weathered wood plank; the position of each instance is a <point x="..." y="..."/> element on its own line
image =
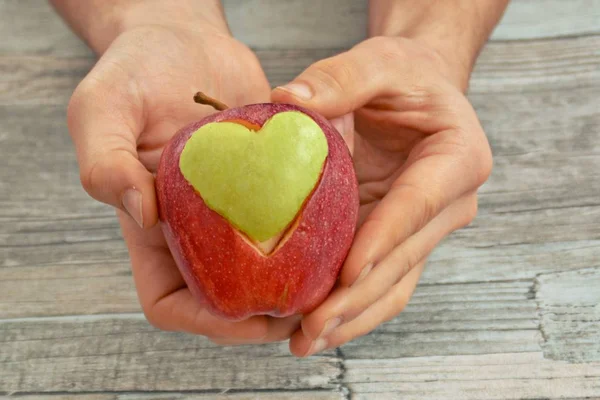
<point x="40" y="79"/>
<point x="544" y="225"/>
<point x="61" y="252"/>
<point x="560" y="125"/>
<point x="256" y="395"/>
<point x="70" y="289"/>
<point x="295" y="24"/>
<point x="126" y="354"/>
<point x="457" y="261"/>
<point x="569" y="306"/>
<point x="299" y="24"/>
<point x="537" y="66"/>
<point x="457" y="319"/>
<point x="482" y="377"/>
<point x="510" y="68"/>
<point x="78" y="244"/>
<point x="32" y="27"/>
<point x="39" y="178"/>
<point x="525" y="19"/>
<point x="341" y="23"/>
<point x="564" y="121"/>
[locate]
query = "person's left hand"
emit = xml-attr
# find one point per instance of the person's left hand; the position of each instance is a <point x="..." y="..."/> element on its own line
<point x="420" y="155"/>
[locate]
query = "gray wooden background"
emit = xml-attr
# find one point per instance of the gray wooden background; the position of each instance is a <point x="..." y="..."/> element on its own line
<point x="508" y="308"/>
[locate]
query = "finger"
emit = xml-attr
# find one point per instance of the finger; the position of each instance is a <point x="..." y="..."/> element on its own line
<point x="439" y="170"/>
<point x="386" y="308"/>
<point x="378" y="67"/>
<point x="105" y="118"/>
<point x="166" y="301"/>
<point x="346" y="303"/>
<point x="279" y="329"/>
<point x="345" y="126"/>
<point x="180" y="311"/>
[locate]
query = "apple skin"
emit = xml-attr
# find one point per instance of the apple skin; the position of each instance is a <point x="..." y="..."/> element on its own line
<point x="228" y="275"/>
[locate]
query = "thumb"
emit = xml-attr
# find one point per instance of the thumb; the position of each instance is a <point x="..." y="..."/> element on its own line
<point x="105" y="120"/>
<point x="339" y="85"/>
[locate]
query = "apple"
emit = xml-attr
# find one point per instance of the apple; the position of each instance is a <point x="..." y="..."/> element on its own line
<point x="259" y="206"/>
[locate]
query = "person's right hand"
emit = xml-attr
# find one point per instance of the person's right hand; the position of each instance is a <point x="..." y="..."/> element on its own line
<point x="122" y="114"/>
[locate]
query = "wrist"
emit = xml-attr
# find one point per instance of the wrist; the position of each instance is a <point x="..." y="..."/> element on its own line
<point x="99" y="22"/>
<point x="455" y="30"/>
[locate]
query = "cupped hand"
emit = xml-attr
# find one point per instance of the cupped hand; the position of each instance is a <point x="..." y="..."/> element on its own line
<point x="122" y="114"/>
<point x="420" y="155"/>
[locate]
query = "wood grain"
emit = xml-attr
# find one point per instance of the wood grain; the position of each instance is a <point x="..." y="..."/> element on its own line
<point x="483" y="377"/>
<point x="456" y="261"/>
<point x="126" y="354"/>
<point x="558" y="129"/>
<point x="569" y="305"/>
<point x="552" y="70"/>
<point x="48" y="80"/>
<point x="299" y="24"/>
<point x="79" y="288"/>
<point x="537" y="66"/>
<point x="226" y="395"/>
<point x="39" y="178"/>
<point x="32" y="27"/>
<point x="537" y="19"/>
<point x="457" y="319"/>
<point x="341" y="23"/>
<point x="501" y="305"/>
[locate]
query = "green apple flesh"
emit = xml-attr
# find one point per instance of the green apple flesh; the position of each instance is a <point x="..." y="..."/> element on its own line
<point x="257" y="180"/>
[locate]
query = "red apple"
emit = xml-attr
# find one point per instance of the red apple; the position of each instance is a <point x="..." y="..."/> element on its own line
<point x="236" y="276"/>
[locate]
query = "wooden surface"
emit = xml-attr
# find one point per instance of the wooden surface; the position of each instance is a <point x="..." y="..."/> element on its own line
<point x="508" y="308"/>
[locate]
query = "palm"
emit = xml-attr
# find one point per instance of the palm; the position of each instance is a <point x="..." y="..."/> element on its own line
<point x="381" y="148"/>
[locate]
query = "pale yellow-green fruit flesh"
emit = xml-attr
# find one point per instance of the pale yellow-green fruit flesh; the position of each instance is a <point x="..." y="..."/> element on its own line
<point x="257" y="180"/>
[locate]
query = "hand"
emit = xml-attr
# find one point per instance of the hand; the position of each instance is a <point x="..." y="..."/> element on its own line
<point x="420" y="155"/>
<point x="120" y="117"/>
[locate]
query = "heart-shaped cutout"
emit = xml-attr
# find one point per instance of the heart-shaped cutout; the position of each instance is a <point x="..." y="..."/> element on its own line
<point x="257" y="180"/>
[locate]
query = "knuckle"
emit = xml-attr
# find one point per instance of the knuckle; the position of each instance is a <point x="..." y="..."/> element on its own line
<point x="100" y="167"/>
<point x="85" y="177"/>
<point x="353" y="311"/>
<point x="475" y="154"/>
<point x="430" y="206"/>
<point x="427" y="205"/>
<point x="333" y="73"/>
<point x="486" y="164"/>
<point x="84" y="94"/>
<point x="471" y="210"/>
<point x="420" y="97"/>
<point x="389" y="48"/>
<point x="154" y="318"/>
<point x="411" y="260"/>
<point x="478" y="157"/>
<point x="88" y="177"/>
<point x="336" y="76"/>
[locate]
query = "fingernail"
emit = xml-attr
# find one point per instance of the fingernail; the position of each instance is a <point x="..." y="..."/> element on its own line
<point x="317" y="346"/>
<point x="340" y="125"/>
<point x="299" y="90"/>
<point x="132" y="202"/>
<point x="330" y="325"/>
<point x="364" y="273"/>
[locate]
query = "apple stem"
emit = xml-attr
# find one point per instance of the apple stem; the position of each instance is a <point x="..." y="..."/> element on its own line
<point x="202" y="98"/>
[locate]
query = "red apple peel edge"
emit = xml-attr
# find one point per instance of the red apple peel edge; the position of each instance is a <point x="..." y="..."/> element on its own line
<point x="225" y="273"/>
